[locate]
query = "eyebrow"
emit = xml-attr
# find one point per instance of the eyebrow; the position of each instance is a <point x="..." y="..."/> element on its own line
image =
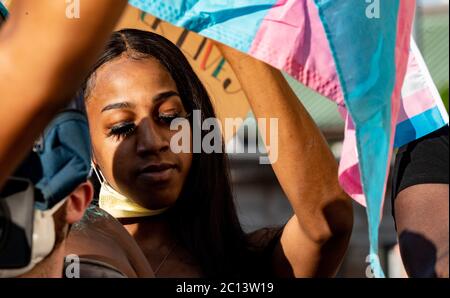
<point x="128" y="105"/>
<point x="164" y="95"/>
<point x="119" y="105"/>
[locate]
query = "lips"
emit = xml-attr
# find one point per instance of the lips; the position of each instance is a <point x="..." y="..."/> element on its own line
<point x="157" y="172"/>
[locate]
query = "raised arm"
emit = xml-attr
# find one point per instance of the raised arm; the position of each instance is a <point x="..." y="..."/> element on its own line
<point x="315" y="239"/>
<point x="44" y="55"/>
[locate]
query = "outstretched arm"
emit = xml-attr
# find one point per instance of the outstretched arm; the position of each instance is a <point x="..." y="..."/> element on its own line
<point x="314" y="241"/>
<point x="44" y="55"/>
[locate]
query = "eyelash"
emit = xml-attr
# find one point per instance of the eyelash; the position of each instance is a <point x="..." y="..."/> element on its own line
<point x="121" y="130"/>
<point x="125" y="129"/>
<point x="168" y="118"/>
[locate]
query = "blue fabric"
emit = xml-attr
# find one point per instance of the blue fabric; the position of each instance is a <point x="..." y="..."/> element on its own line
<point x="3" y="11"/>
<point x="232" y="22"/>
<point x="418" y="126"/>
<point x="65" y="155"/>
<point x="367" y="75"/>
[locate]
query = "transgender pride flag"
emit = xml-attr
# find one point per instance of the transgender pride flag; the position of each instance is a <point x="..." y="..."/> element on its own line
<point x="353" y="52"/>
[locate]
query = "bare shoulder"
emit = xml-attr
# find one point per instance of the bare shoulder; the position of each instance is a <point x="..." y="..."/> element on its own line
<point x="99" y="221"/>
<point x="99" y="236"/>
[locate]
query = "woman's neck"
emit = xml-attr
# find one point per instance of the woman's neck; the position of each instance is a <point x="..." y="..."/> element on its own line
<point x="156" y="226"/>
<point x="155" y="238"/>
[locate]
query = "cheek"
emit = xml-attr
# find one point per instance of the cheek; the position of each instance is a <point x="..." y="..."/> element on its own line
<point x="111" y="158"/>
<point x="186" y="161"/>
<point x="103" y="160"/>
<point x="119" y="158"/>
<point x="98" y="151"/>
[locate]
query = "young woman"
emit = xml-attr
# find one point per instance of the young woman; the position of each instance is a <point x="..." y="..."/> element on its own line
<point x="139" y="85"/>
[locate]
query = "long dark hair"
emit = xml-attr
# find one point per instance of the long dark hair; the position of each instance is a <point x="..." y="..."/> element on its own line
<point x="204" y="217"/>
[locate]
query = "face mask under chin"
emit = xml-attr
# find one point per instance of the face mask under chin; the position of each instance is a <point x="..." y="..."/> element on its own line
<point x="118" y="205"/>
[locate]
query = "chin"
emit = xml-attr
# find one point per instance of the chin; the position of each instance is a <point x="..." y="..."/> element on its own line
<point x="156" y="200"/>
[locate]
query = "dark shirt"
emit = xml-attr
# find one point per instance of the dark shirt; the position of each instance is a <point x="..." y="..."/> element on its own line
<point x="424" y="161"/>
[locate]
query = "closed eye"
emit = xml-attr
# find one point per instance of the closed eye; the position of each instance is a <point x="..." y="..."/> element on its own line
<point x="167" y="118"/>
<point x="121" y="130"/>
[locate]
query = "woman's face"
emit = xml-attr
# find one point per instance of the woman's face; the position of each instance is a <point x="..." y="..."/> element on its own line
<point x="130" y="106"/>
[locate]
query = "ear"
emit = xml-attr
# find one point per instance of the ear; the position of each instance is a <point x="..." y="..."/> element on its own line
<point x="78" y="202"/>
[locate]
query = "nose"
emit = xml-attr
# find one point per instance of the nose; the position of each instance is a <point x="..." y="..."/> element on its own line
<point x="150" y="138"/>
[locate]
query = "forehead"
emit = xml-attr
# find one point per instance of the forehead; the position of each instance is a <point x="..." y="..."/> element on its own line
<point x="127" y="77"/>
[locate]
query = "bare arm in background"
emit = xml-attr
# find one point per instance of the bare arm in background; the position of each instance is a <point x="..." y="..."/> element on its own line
<point x="315" y="239"/>
<point x="421" y="190"/>
<point x="421" y="213"/>
<point x="44" y="56"/>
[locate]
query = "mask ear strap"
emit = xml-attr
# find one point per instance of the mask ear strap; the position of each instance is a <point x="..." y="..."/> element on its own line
<point x="98" y="173"/>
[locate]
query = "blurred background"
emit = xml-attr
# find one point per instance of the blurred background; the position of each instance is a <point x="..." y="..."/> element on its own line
<point x="259" y="198"/>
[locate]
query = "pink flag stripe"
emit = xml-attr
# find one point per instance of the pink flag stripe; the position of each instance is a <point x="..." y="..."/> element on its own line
<point x="313" y="65"/>
<point x="421" y="101"/>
